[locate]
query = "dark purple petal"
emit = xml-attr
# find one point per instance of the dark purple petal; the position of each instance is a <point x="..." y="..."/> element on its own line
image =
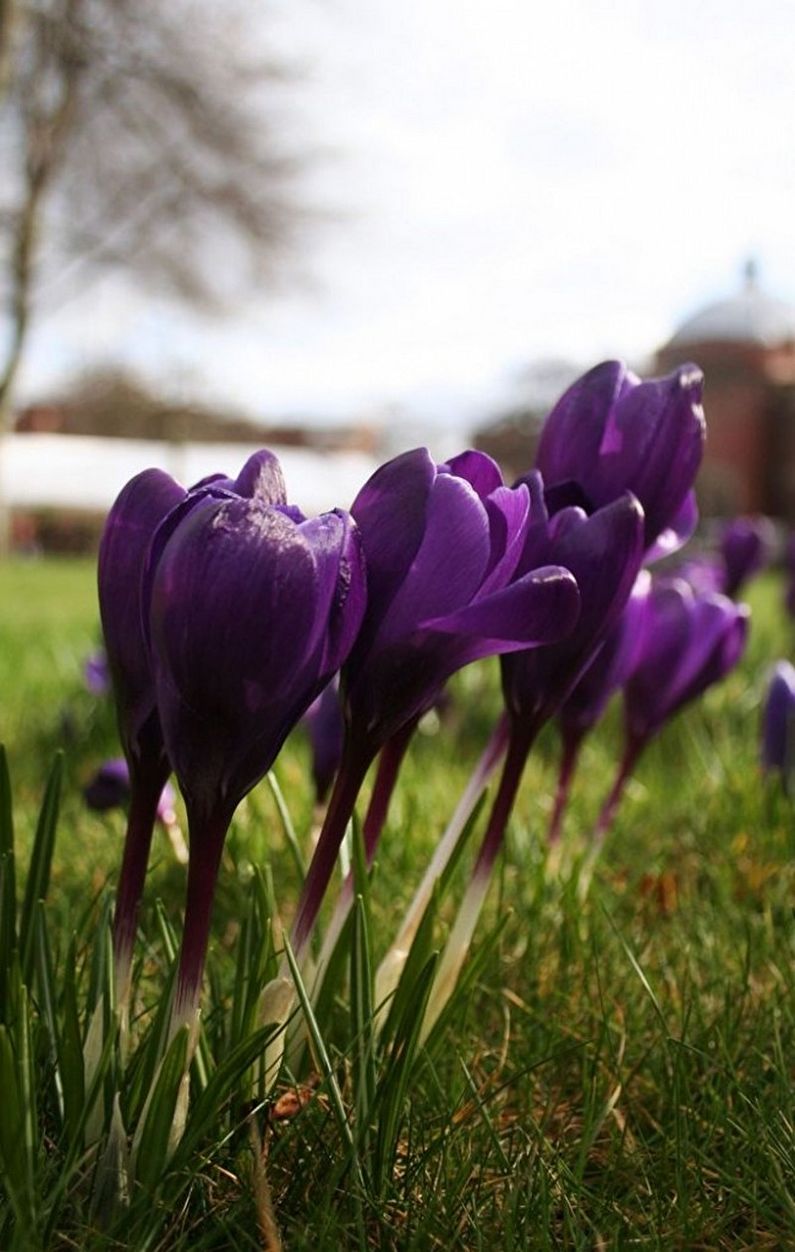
<point x="326" y="728"/>
<point x="571" y="439"/>
<point x="480" y="471"/>
<point x="109" y="787"/>
<point x="692" y="641"/>
<point x="612" y="665"/>
<point x="745" y="545"/>
<point x="349" y="596"/>
<point x="390" y="511"/>
<point x="703" y="574"/>
<point x="778" y="721"/>
<point x="540" y="608"/>
<point x="261" y="478"/>
<point x="677" y="533"/>
<point x="450" y="563"/>
<point x="508" y="511"/>
<point x="96" y="673"/>
<point x="604" y="553"/>
<point x="129" y="528"/>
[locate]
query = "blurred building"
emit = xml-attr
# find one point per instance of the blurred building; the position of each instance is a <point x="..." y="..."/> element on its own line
<point x="746" y="348"/>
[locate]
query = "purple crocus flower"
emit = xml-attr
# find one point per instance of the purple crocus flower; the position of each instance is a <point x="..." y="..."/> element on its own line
<point x="778" y="724"/>
<point x="745" y="545"/>
<point x="326" y="729"/>
<point x="691" y="641"/>
<point x="109" y="788"/>
<point x="442" y="544"/>
<point x="611" y="433"/>
<point x="253" y="609"/>
<point x="130" y="527"/>
<point x="706" y="575"/>
<point x="607" y="673"/>
<point x="96" y="673"/>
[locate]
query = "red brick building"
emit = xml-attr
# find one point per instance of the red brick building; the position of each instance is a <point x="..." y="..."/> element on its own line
<point x="746" y="347"/>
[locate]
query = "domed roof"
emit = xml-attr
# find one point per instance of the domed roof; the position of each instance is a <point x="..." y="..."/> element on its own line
<point x="750" y="317"/>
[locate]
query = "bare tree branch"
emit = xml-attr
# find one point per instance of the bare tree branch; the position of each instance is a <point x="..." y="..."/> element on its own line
<point x="144" y="136"/>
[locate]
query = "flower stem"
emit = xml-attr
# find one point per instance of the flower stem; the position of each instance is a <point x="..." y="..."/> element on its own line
<point x="347" y="786"/>
<point x="610" y="806"/>
<point x="144" y="798"/>
<point x="568" y="764"/>
<point x="389" y="763"/>
<point x="206" y="845"/>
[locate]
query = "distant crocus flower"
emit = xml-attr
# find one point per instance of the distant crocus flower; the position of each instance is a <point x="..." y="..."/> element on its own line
<point x="96" y="673"/>
<point x="608" y="672"/>
<point x="442" y="544"/>
<point x="109" y="788"/>
<point x="706" y="575"/>
<point x="326" y="729"/>
<point x="690" y="642"/>
<point x="611" y="432"/>
<point x="252" y="611"/>
<point x="778" y="724"/>
<point x="145" y="503"/>
<point x="745" y="546"/>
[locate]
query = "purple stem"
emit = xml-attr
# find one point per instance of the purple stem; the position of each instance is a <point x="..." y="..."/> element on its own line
<point x="206" y="845"/>
<point x="610" y="806"/>
<point x="389" y="763"/>
<point x="519" y="744"/>
<point x="347" y="785"/>
<point x="568" y="764"/>
<point x="144" y="799"/>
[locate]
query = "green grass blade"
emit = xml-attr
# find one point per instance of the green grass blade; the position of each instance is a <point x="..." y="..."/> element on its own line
<point x="38" y="879"/>
<point x="393" y="1088"/>
<point x="152" y="1150"/>
<point x="6" y="806"/>
<point x="321" y="1051"/>
<point x="287" y="825"/>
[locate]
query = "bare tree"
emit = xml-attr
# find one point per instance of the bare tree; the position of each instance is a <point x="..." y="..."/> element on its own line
<point x="141" y="135"/>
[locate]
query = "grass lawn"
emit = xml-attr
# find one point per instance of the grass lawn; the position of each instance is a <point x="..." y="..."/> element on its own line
<point x="620" y="1071"/>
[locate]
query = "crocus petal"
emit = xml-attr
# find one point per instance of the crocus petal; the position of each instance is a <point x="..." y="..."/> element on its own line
<point x="572" y="434"/>
<point x="341" y="581"/>
<point x="508" y="512"/>
<point x="132" y="521"/>
<point x="480" y="471"/>
<point x="692" y="642"/>
<point x="778" y="720"/>
<point x="450" y="563"/>
<point x="676" y="535"/>
<point x="390" y="511"/>
<point x="261" y="478"/>
<point x="612" y="665"/>
<point x="603" y="552"/>
<point x="540" y="608"/>
<point x="745" y="545"/>
<point x="653" y="444"/>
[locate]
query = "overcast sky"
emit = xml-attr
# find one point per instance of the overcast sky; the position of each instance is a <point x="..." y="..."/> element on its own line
<point x="514" y="180"/>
